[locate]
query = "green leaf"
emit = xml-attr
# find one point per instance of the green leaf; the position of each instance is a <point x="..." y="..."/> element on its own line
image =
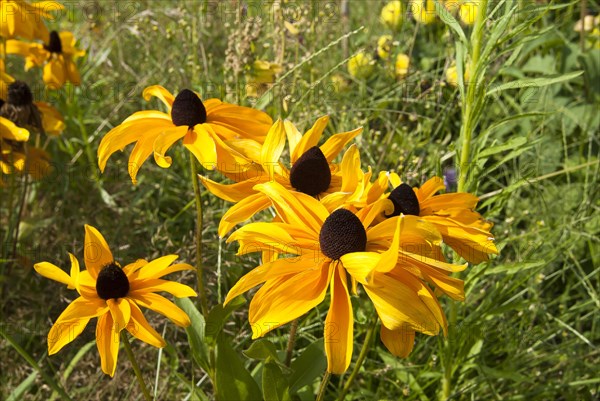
<point x="262" y="349"/>
<point x="23" y="387"/>
<point x="533" y="82"/>
<point x="511" y="144"/>
<point x="512" y="268"/>
<point x="217" y="317"/>
<point x="234" y="382"/>
<point x="196" y="333"/>
<point x="274" y="384"/>
<point x="449" y="20"/>
<point x="308" y="366"/>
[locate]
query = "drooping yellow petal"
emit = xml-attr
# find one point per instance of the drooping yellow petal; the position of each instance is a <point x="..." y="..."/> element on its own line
<point x="282" y="300"/>
<point x="120" y="310"/>
<point x="164" y="141"/>
<point x="8" y="130"/>
<point x="334" y="145"/>
<point x="338" y="331"/>
<point x="270" y="271"/>
<point x="154" y="285"/>
<point x="107" y="341"/>
<point x="360" y="265"/>
<point x="310" y="138"/>
<point x="161" y="305"/>
<point x="158" y="91"/>
<point x="140" y="328"/>
<point x="54" y="73"/>
<point x="232" y="193"/>
<point x="242" y="211"/>
<point x="140" y="153"/>
<point x="54" y="272"/>
<point x="64" y="332"/>
<point x="399" y="342"/>
<point x="202" y="145"/>
<point x="96" y="252"/>
<point x="272" y="148"/>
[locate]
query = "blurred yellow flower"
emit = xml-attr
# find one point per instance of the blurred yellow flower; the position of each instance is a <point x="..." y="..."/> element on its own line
<point x="361" y="65"/>
<point x="384" y="46"/>
<point x="57" y="57"/>
<point x="52" y="121"/>
<point x="402" y="64"/>
<point x="26" y="20"/>
<point x="391" y="15"/>
<point x="339" y="82"/>
<point x="261" y="75"/>
<point x="114" y="295"/>
<point x="468" y="12"/>
<point x="586" y="24"/>
<point x="452" y="74"/>
<point x="423" y="11"/>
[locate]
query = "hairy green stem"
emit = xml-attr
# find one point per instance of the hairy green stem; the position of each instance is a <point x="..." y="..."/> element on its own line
<point x="323" y="386"/>
<point x="199" y="269"/>
<point x="134" y="364"/>
<point x="291" y="341"/>
<point x="361" y="358"/>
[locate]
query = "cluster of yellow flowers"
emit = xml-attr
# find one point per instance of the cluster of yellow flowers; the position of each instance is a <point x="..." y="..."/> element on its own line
<point x="19" y="111"/>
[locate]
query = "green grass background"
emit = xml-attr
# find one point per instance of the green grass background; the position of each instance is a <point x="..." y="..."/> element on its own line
<point x="529" y="328"/>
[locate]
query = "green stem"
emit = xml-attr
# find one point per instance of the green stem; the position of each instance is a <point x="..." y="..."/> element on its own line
<point x="361" y="358"/>
<point x="199" y="270"/>
<point x="323" y="386"/>
<point x="55" y="386"/>
<point x="291" y="341"/>
<point x="134" y="364"/>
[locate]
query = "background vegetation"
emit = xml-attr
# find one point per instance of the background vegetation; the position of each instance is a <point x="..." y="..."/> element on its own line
<point x="530" y="326"/>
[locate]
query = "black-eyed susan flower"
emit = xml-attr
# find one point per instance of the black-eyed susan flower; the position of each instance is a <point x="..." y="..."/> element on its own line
<point x="20" y="109"/>
<point x="57" y="56"/>
<point x="114" y="295"/>
<point x="452" y="214"/>
<point x="10" y="134"/>
<point x="361" y="65"/>
<point x="26" y="20"/>
<point x="312" y="171"/>
<point x="327" y="248"/>
<point x="205" y="127"/>
<point x="392" y="15"/>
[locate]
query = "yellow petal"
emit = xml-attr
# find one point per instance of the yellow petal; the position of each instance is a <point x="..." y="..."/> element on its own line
<point x="74" y="272"/>
<point x="96" y="252"/>
<point x="338" y="331"/>
<point x="283" y="299"/>
<point x="132" y="267"/>
<point x="272" y="148"/>
<point x="154" y="285"/>
<point x="150" y="270"/>
<point x="107" y="341"/>
<point x="334" y="145"/>
<point x="242" y="211"/>
<point x="164" y="141"/>
<point x="447" y="201"/>
<point x="202" y="145"/>
<point x="272" y="270"/>
<point x="360" y="265"/>
<point x="120" y="310"/>
<point x="140" y="328"/>
<point x="83" y="308"/>
<point x="158" y="91"/>
<point x="161" y="305"/>
<point x="234" y="192"/>
<point x="64" y="332"/>
<point x="399" y="342"/>
<point x="8" y="130"/>
<point x="430" y="187"/>
<point x="351" y="171"/>
<point x="54" y="272"/>
<point x="230" y="121"/>
<point x="310" y="138"/>
<point x="293" y="135"/>
<point x="54" y="73"/>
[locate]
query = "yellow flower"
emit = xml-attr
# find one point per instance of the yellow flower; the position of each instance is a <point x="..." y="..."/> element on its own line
<point x="402" y="64"/>
<point x="453" y="215"/>
<point x="326" y="249"/>
<point x="114" y="295"/>
<point x="391" y="15"/>
<point x="423" y="11"/>
<point x="311" y="170"/>
<point x="262" y="73"/>
<point x="384" y="46"/>
<point x="57" y="57"/>
<point x="452" y="74"/>
<point x="361" y="65"/>
<point x="205" y="127"/>
<point x="468" y="12"/>
<point x="9" y="131"/>
<point x="20" y="18"/>
<point x="586" y="24"/>
<point x="33" y="161"/>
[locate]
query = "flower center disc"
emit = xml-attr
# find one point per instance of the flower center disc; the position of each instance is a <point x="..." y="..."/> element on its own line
<point x="342" y="233"/>
<point x="19" y="94"/>
<point x="112" y="283"/>
<point x="310" y="174"/>
<point x="405" y="201"/>
<point x="188" y="109"/>
<point x="55" y="45"/>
